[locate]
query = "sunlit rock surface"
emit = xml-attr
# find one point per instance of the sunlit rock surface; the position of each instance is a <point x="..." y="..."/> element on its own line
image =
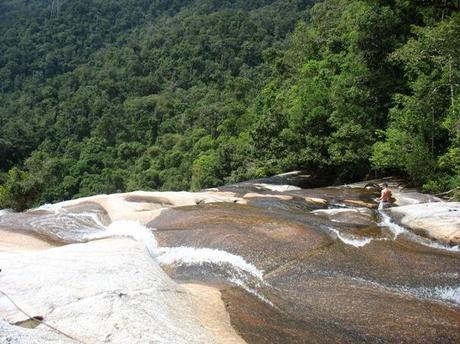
<point x="142" y="206"/>
<point x="401" y="194"/>
<point x="85" y="219"/>
<point x="324" y="287"/>
<point x="105" y="291"/>
<point x="291" y="265"/>
<point x="440" y="221"/>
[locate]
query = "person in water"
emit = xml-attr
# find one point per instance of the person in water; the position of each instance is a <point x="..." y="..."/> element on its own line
<point x="385" y="196"/>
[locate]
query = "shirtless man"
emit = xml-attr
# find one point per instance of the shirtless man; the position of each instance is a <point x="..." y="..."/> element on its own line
<point x="385" y="196"/>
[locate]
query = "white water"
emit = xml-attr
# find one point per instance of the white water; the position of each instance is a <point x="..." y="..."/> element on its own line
<point x="279" y="188"/>
<point x="129" y="229"/>
<point x="450" y="294"/>
<point x="124" y="229"/>
<point x="440" y="246"/>
<point x="398" y="230"/>
<point x="292" y="173"/>
<point x="175" y="255"/>
<point x="57" y="208"/>
<point x="242" y="284"/>
<point x="5" y="211"/>
<point x="350" y="240"/>
<point x="393" y="227"/>
<point x="199" y="256"/>
<point x="240" y="270"/>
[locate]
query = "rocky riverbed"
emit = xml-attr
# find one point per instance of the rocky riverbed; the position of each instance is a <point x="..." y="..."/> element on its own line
<point x="266" y="261"/>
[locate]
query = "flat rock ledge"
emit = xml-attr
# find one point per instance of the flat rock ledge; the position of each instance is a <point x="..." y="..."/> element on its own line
<point x="104" y="291"/>
<point x="143" y="206"/>
<point x="438" y="220"/>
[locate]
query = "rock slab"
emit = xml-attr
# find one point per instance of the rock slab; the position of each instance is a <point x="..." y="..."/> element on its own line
<point x="113" y="283"/>
<point x="437" y="220"/>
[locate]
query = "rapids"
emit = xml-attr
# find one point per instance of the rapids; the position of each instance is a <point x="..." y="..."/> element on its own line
<point x="294" y="265"/>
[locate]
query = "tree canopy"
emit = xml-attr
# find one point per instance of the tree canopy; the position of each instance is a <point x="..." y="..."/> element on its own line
<point x="111" y="96"/>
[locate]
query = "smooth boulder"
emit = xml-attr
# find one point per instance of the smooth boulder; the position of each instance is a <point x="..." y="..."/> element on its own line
<point x="103" y="291"/>
<point x="437" y="220"/>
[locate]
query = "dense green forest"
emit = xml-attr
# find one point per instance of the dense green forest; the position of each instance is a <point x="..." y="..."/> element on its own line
<point x="100" y="96"/>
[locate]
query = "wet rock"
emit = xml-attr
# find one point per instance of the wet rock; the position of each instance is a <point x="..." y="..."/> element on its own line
<point x="54" y="227"/>
<point x="260" y="323"/>
<point x="337" y="196"/>
<point x="439" y="221"/>
<point x="90" y="208"/>
<point x="297" y="178"/>
<point x="250" y="195"/>
<point x="102" y="291"/>
<point x="408" y="197"/>
<point x="282" y="204"/>
<point x="140" y="206"/>
<point x="376" y="184"/>
<point x="400" y="192"/>
<point x="278" y="188"/>
<point x="355" y="311"/>
<point x="359" y="203"/>
<point x="262" y="237"/>
<point x="212" y="312"/>
<point x="357" y="216"/>
<point x="290" y="181"/>
<point x="288" y="272"/>
<point x="387" y="262"/>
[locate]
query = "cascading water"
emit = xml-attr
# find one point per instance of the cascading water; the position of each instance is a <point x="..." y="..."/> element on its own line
<point x="234" y="268"/>
<point x="199" y="256"/>
<point x="448" y="293"/>
<point x="305" y="266"/>
<point x="5" y="211"/>
<point x="398" y="230"/>
<point x="87" y="226"/>
<point x="128" y="229"/>
<point x="348" y="240"/>
<point x="387" y="222"/>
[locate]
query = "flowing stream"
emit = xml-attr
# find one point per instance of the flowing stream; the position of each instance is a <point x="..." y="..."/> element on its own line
<point x="303" y="274"/>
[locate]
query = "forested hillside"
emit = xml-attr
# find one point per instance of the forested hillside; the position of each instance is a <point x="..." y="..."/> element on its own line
<point x="105" y="96"/>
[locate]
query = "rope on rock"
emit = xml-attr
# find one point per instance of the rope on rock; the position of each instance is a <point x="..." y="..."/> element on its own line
<point x="38" y="320"/>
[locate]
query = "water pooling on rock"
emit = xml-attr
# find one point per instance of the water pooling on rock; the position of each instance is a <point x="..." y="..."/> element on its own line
<point x="288" y="271"/>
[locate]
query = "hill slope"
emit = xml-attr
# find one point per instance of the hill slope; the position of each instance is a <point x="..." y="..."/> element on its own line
<point x="100" y="97"/>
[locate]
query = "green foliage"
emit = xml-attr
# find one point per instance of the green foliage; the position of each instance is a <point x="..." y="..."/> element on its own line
<point x="125" y="95"/>
<point x="110" y="96"/>
<point x="423" y="135"/>
<point x="325" y="113"/>
<point x="20" y="190"/>
<point x="204" y="171"/>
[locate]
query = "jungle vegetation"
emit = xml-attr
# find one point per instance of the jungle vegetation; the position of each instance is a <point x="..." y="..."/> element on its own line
<point x="102" y="96"/>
